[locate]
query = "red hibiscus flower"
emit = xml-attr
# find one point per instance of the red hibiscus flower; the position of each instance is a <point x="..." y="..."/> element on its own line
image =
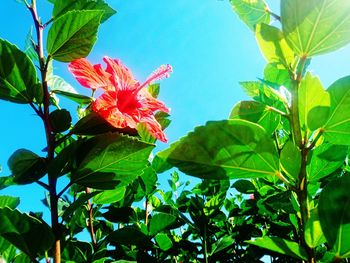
<point x="125" y="101"/>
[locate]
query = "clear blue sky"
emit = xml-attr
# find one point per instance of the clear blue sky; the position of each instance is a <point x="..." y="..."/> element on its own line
<point x="210" y="50"/>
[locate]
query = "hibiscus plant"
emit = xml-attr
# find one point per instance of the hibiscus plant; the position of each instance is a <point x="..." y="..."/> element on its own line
<point x="274" y="176"/>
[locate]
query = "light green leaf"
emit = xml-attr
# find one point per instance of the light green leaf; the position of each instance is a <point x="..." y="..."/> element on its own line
<point x="63" y="6"/>
<point x="109" y="196"/>
<point x="274" y="75"/>
<point x="334" y="214"/>
<point x="251" y="12"/>
<point x="222" y="150"/>
<point x="324" y="160"/>
<point x="281" y="246"/>
<point x="111" y="158"/>
<point x="313" y="231"/>
<point x="163" y="241"/>
<point x="290" y="159"/>
<point x="311" y="95"/>
<point x="9" y="201"/>
<point x="73" y="34"/>
<point x="159" y="222"/>
<point x="337" y="128"/>
<point x="256" y="112"/>
<point x="273" y="45"/>
<point x="315" y="27"/>
<point x="17" y="73"/>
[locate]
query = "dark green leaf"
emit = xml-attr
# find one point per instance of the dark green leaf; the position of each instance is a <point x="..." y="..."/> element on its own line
<point x="224" y="149"/>
<point x="110" y="158"/>
<point x="256" y="112"/>
<point x="334" y="215"/>
<point x="73" y="34"/>
<point x="78" y="98"/>
<point x="316" y="27"/>
<point x="63" y="6"/>
<point x="251" y="12"/>
<point x="17" y="73"/>
<point x="25" y="232"/>
<point x="26" y="166"/>
<point x="244" y="186"/>
<point x="60" y="120"/>
<point x="6" y="181"/>
<point x="130" y="235"/>
<point x="281" y="246"/>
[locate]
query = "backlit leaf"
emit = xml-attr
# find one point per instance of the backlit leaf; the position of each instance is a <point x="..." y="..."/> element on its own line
<point x="313" y="231"/>
<point x="315" y="27"/>
<point x="222" y="150"/>
<point x="73" y="34"/>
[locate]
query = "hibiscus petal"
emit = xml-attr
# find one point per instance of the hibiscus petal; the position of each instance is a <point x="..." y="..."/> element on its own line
<point x="88" y="75"/>
<point x="154" y="128"/>
<point x="151" y="103"/>
<point x="121" y="77"/>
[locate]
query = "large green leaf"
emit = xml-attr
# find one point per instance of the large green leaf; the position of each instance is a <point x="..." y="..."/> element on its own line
<point x="223" y="149"/>
<point x="334" y="214"/>
<point x="159" y="222"/>
<point x="63" y="6"/>
<point x="256" y="112"/>
<point x="73" y="34"/>
<point x="280" y="245"/>
<point x="25" y="232"/>
<point x="316" y="27"/>
<point x="26" y="166"/>
<point x="17" y="73"/>
<point x="273" y="45"/>
<point x="290" y="159"/>
<point x="251" y="12"/>
<point x="337" y="128"/>
<point x="110" y="158"/>
<point x="163" y="241"/>
<point x="7" y="250"/>
<point x="311" y="95"/>
<point x="313" y="231"/>
<point x="324" y="160"/>
<point x="130" y="235"/>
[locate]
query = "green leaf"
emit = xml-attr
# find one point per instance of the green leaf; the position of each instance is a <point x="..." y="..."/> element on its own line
<point x="311" y="95"/>
<point x="273" y="45"/>
<point x="78" y="98"/>
<point x="159" y="222"/>
<point x="313" y="231"/>
<point x="27" y="233"/>
<point x="92" y="124"/>
<point x="337" y="128"/>
<point x="256" y="112"/>
<point x="264" y="94"/>
<point x="316" y="27"/>
<point x="111" y="158"/>
<point x="163" y="241"/>
<point x="290" y="159"/>
<point x="224" y="149"/>
<point x="9" y="201"/>
<point x="154" y="89"/>
<point x="281" y="246"/>
<point x="7" y="250"/>
<point x="6" y="181"/>
<point x="73" y="34"/>
<point x="130" y="235"/>
<point x="251" y="12"/>
<point x="17" y="73"/>
<point x="324" y="160"/>
<point x="222" y="244"/>
<point x="334" y="215"/>
<point x="60" y="120"/>
<point x="244" y="186"/>
<point x="63" y="6"/>
<point x="273" y="74"/>
<point x="26" y="166"/>
<point x="110" y="196"/>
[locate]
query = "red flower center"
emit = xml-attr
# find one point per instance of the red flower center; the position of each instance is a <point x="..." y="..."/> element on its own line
<point x="128" y="101"/>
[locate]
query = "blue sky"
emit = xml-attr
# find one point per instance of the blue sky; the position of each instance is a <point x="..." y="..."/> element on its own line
<point x="210" y="50"/>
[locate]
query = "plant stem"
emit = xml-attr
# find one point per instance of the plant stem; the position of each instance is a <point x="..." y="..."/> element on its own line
<point x="301" y="143"/>
<point x="91" y="224"/>
<point x="205" y="245"/>
<point x="50" y="138"/>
